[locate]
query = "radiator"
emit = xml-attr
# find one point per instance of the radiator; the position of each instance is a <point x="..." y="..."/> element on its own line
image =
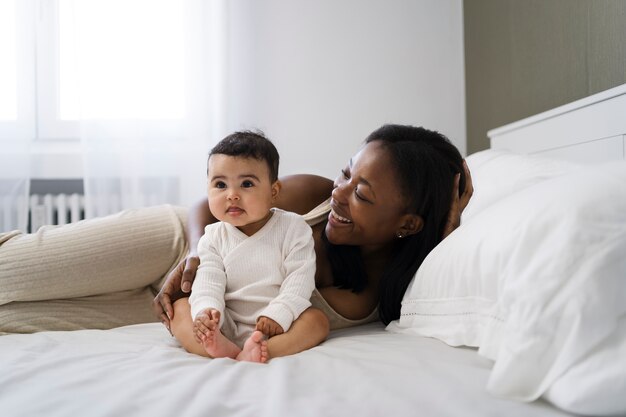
<point x="55" y="209"/>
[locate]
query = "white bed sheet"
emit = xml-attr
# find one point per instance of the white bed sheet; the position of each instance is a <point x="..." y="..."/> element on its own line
<point x="141" y="370"/>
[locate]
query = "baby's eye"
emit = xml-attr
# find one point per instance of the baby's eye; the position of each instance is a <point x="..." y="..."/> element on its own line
<point x="220" y="184"/>
<point x="345" y="174"/>
<point x="247" y="184"/>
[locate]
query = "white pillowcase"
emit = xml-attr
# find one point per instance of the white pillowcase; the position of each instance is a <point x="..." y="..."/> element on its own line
<point x="497" y="174"/>
<point x="595" y="385"/>
<point x="537" y="281"/>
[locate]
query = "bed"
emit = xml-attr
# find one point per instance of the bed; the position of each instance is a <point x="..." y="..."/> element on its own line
<point x="484" y="331"/>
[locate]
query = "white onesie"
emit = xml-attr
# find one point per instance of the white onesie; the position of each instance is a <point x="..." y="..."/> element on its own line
<point x="271" y="273"/>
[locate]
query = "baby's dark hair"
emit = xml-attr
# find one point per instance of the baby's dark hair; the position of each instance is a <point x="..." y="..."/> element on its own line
<point x="248" y="144"/>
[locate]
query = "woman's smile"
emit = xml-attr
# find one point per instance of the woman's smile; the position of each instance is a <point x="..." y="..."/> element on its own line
<point x="334" y="217"/>
<point x="337" y="218"/>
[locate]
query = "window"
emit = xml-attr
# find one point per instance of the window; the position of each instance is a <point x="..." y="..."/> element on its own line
<point x="8" y="69"/>
<point x="93" y="59"/>
<point x="120" y="59"/>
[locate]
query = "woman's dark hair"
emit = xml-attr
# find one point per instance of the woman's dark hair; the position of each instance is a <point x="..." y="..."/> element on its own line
<point x="425" y="164"/>
<point x="249" y="144"/>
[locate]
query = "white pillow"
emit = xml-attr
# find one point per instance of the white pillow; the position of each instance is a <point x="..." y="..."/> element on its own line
<point x="537" y="281"/>
<point x="497" y="174"/>
<point x="595" y="385"/>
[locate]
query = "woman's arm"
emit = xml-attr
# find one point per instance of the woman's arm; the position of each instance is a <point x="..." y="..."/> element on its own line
<point x="302" y="193"/>
<point x="199" y="217"/>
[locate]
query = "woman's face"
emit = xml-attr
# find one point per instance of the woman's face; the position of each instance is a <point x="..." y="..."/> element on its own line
<point x="367" y="206"/>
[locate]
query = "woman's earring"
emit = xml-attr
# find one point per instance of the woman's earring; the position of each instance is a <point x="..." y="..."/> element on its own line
<point x="399" y="235"/>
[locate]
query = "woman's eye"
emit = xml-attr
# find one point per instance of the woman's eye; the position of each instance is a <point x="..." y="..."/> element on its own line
<point x="247" y="184"/>
<point x="356" y="193"/>
<point x="361" y="197"/>
<point x="345" y="175"/>
<point x="220" y="184"/>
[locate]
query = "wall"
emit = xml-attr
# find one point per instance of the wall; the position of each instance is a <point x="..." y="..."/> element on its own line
<point x="525" y="57"/>
<point x="317" y="76"/>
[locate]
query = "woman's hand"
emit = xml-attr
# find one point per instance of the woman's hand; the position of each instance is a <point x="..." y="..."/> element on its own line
<point x="459" y="202"/>
<point x="177" y="285"/>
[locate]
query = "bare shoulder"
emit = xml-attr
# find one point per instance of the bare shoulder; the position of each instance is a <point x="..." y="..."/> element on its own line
<point x="301" y="193"/>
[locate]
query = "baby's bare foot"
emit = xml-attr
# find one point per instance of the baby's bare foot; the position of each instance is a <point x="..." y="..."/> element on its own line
<point x="255" y="349"/>
<point x="217" y="345"/>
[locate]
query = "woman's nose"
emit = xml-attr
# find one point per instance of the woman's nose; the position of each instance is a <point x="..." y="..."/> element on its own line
<point x="340" y="192"/>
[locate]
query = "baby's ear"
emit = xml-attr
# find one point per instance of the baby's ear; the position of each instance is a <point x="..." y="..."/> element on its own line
<point x="276" y="186"/>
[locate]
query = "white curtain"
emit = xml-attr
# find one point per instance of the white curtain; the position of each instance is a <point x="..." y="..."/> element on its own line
<point x="16" y="111"/>
<point x="14" y="183"/>
<point x="139" y="82"/>
<point x="143" y="77"/>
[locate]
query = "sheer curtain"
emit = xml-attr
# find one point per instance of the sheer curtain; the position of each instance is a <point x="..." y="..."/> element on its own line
<point x="142" y="77"/>
<point x="139" y="82"/>
<point x="16" y="111"/>
<point x="14" y="182"/>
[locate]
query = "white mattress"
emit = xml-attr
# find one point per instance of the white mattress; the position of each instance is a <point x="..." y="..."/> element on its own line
<point x="141" y="370"/>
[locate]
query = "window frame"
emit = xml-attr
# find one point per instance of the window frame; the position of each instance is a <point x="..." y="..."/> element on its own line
<point x="47" y="100"/>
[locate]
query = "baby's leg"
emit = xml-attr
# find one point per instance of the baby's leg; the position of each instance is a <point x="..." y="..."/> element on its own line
<point x="307" y="331"/>
<point x="216" y="346"/>
<point x="182" y="328"/>
<point x="255" y="348"/>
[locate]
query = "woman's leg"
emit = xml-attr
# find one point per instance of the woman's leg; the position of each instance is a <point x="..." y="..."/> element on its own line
<point x="114" y="255"/>
<point x="307" y="331"/>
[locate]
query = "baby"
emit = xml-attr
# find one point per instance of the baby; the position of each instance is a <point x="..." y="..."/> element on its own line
<point x="257" y="264"/>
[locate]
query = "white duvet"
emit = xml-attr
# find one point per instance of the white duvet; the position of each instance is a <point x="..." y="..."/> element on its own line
<point x="141" y="370"/>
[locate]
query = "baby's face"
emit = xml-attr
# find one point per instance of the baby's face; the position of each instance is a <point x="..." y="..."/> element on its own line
<point x="240" y="191"/>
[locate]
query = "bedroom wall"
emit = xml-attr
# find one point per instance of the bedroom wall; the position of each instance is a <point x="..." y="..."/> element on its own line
<point x="317" y="76"/>
<point x="525" y="57"/>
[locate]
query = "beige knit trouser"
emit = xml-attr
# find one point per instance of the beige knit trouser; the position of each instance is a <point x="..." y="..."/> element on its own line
<point x="98" y="274"/>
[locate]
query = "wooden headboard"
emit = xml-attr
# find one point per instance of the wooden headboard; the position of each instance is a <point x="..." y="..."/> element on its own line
<point x="589" y="130"/>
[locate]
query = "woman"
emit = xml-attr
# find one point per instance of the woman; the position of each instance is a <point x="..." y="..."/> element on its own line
<point x="389" y="207"/>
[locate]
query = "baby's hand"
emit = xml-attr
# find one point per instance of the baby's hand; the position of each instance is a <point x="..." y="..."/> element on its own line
<point x="268" y="326"/>
<point x="207" y="321"/>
